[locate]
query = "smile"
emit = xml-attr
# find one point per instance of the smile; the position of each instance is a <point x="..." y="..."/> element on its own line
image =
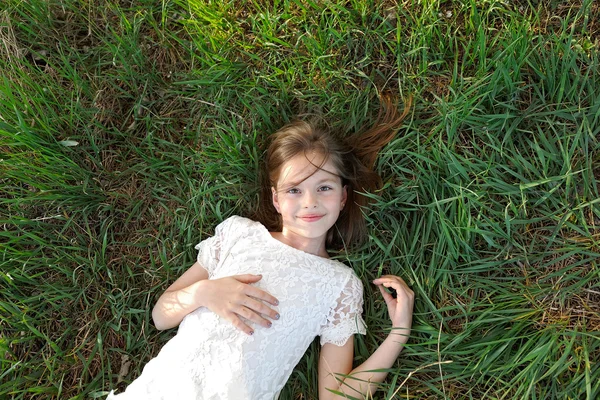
<point x="311" y="217"/>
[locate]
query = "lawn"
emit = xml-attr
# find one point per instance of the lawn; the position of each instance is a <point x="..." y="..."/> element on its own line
<point x="129" y="129"/>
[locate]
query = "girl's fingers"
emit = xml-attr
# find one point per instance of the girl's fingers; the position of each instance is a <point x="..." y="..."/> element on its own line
<point x="261" y="295"/>
<point x="235" y="299"/>
<point x="260" y="308"/>
<point x="400" y="308"/>
<point x="254" y="291"/>
<point x="247" y="278"/>
<point x="238" y="324"/>
<point x="386" y="296"/>
<point x="389" y="278"/>
<point x="396" y="283"/>
<point x="252" y="316"/>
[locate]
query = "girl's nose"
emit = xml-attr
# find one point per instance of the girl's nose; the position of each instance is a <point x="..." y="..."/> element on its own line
<point x="310" y="200"/>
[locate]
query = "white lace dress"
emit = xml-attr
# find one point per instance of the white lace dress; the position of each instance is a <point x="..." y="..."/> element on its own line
<point x="209" y="359"/>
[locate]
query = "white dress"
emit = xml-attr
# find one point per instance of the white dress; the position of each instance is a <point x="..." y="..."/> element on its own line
<point x="210" y="359"/>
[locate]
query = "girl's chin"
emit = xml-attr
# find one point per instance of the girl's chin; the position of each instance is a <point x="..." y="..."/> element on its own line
<point x="303" y="232"/>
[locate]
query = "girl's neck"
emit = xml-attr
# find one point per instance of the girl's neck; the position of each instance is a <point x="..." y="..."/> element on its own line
<point x="313" y="246"/>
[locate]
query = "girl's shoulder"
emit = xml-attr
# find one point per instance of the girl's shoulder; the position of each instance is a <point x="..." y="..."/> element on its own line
<point x="345" y="271"/>
<point x="341" y="271"/>
<point x="236" y="222"/>
<point x="236" y="226"/>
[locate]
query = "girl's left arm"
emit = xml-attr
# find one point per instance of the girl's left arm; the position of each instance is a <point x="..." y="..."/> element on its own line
<point x="335" y="362"/>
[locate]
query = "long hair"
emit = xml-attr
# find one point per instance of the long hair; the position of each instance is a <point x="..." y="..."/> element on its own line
<point x="354" y="158"/>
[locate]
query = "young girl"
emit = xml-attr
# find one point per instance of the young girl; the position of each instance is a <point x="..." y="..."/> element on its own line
<point x="259" y="293"/>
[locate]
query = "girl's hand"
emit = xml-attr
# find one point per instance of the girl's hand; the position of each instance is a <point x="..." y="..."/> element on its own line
<point x="401" y="307"/>
<point x="233" y="297"/>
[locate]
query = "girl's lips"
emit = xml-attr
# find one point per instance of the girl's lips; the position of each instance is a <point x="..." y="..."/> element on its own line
<point x="311" y="218"/>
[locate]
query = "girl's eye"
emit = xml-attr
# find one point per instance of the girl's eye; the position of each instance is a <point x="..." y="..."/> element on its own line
<point x="325" y="188"/>
<point x="293" y="191"/>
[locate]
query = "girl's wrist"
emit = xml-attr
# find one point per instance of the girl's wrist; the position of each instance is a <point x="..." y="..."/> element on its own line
<point x="199" y="292"/>
<point x="399" y="335"/>
<point x="394" y="344"/>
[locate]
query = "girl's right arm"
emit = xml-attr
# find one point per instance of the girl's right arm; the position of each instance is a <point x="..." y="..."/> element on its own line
<point x="230" y="297"/>
<point x="335" y="362"/>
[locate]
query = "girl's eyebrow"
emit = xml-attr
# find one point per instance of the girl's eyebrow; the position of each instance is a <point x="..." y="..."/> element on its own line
<point x="326" y="180"/>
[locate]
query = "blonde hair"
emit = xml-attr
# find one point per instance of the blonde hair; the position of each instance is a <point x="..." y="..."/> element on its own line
<point x="353" y="157"/>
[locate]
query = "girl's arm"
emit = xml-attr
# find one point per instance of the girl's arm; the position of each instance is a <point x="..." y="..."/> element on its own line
<point x="335" y="362"/>
<point x="229" y="297"/>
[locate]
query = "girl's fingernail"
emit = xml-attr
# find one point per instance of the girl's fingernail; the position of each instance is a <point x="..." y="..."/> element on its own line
<point x="251" y="333"/>
<point x="270" y="324"/>
<point x="276" y="316"/>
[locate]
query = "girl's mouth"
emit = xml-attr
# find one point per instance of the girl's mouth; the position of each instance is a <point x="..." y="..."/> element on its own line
<point x="311" y="218"/>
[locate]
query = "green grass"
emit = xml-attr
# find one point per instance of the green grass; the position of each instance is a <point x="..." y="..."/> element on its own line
<point x="128" y="130"/>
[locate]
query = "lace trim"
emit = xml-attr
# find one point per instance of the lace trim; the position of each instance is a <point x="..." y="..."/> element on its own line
<point x="343" y="331"/>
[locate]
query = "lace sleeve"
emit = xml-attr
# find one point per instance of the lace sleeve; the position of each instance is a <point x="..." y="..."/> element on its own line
<point x="210" y="249"/>
<point x="345" y="318"/>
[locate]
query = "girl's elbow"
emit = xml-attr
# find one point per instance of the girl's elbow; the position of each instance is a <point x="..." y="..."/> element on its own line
<point x="159" y="325"/>
<point x="158" y="320"/>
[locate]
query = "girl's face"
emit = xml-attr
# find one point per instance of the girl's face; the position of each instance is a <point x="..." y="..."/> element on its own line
<point x="309" y="199"/>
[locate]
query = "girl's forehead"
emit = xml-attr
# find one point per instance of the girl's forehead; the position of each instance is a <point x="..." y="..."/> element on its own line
<point x="302" y="167"/>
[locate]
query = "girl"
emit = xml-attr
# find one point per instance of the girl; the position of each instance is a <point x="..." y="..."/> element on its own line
<point x="275" y="283"/>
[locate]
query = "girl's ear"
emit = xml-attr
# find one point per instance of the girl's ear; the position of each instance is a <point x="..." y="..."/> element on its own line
<point x="275" y="199"/>
<point x="344" y="194"/>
